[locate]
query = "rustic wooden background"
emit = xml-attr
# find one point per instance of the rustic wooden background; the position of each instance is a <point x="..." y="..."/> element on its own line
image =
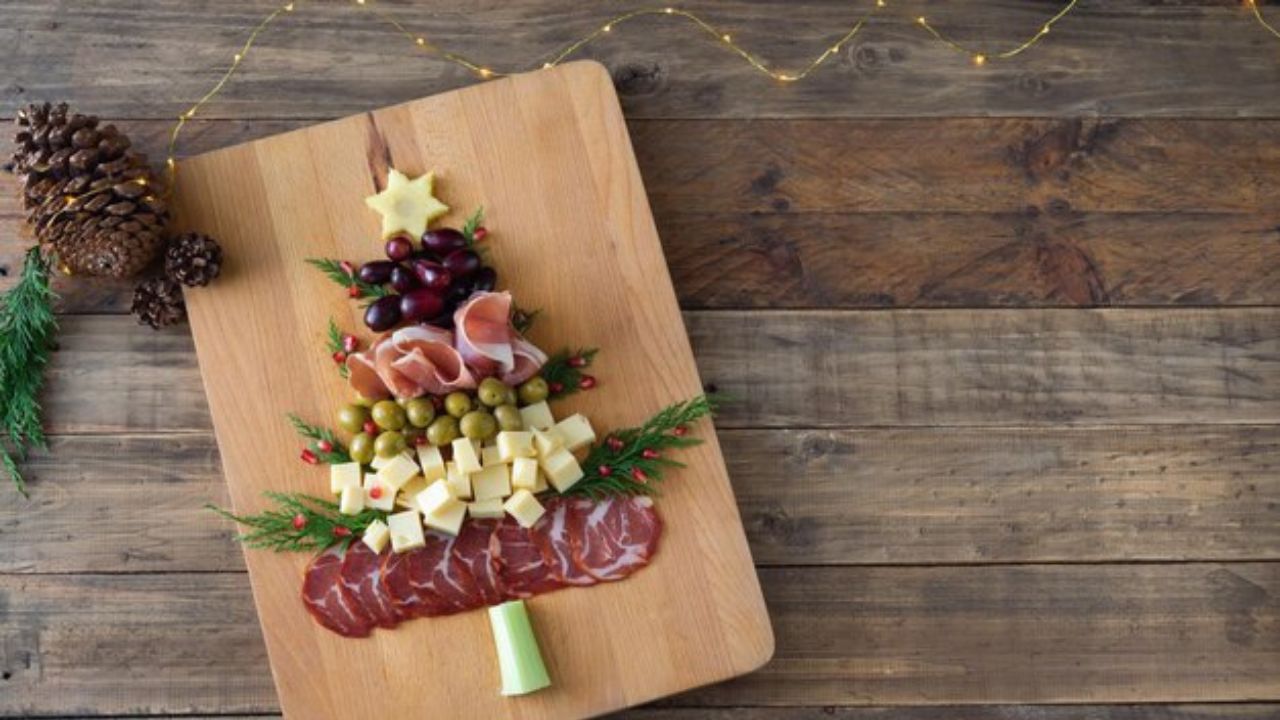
<point x="1007" y="341"/>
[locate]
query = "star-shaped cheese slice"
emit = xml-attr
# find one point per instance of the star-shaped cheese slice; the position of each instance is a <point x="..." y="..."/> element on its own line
<point x="407" y="205"/>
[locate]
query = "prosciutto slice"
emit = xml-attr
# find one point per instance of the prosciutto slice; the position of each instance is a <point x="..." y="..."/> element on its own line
<point x="489" y="344"/>
<point x="328" y="601"/>
<point x="429" y="359"/>
<point x="615" y="537"/>
<point x="361" y="577"/>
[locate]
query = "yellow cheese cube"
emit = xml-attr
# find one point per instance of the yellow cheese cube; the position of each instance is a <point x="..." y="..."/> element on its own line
<point x="432" y="462"/>
<point x="465" y="456"/>
<point x="546" y="442"/>
<point x="396" y="472"/>
<point x="459" y="482"/>
<point x="491" y="482"/>
<point x="490" y="456"/>
<point x="343" y="476"/>
<point x="376" y="535"/>
<point x="448" y="518"/>
<point x="378" y="496"/>
<point x="380" y="462"/>
<point x="410" y="490"/>
<point x="542" y="482"/>
<point x="524" y="474"/>
<point x="562" y="469"/>
<point x="491" y="508"/>
<point x="524" y="507"/>
<point x="514" y="444"/>
<point x="406" y="531"/>
<point x="436" y="496"/>
<point x="352" y="500"/>
<point x="576" y="432"/>
<point x="537" y="416"/>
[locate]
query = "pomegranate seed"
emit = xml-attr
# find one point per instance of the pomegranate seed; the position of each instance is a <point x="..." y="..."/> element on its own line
<point x="341" y="531"/>
<point x="353" y="291"/>
<point x="375" y="492"/>
<point x="309" y="457"/>
<point x="299" y="521"/>
<point x="555" y="387"/>
<point x="614" y="443"/>
<point x="480" y="234"/>
<point x="577" y="361"/>
<point x="437" y="402"/>
<point x="639" y="475"/>
<point x="350" y="343"/>
<point x="649" y="454"/>
<point x="604" y="471"/>
<point x="370" y="427"/>
<point x="587" y="382"/>
<point x="347" y="267"/>
<point x="680" y="431"/>
<point x="420" y="440"/>
<point x="325" y="446"/>
<point x="339" y="357"/>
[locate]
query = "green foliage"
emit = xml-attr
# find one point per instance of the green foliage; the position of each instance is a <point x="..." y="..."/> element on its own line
<point x="27" y="328"/>
<point x="563" y="371"/>
<point x="335" y="455"/>
<point x="334" y="271"/>
<point x="321" y="524"/>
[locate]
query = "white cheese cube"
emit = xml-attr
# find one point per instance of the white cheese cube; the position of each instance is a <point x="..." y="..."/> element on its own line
<point x="490" y="456"/>
<point x="436" y="496"/>
<point x="524" y="474"/>
<point x="377" y="495"/>
<point x="396" y="472"/>
<point x="542" y="482"/>
<point x="448" y="518"/>
<point x="432" y="462"/>
<point x="491" y="482"/>
<point x="537" y="416"/>
<point x="380" y="462"/>
<point x="459" y="482"/>
<point x="343" y="476"/>
<point x="352" y="500"/>
<point x="491" y="508"/>
<point x="546" y="442"/>
<point x="465" y="456"/>
<point x="514" y="444"/>
<point x="562" y="469"/>
<point x="410" y="490"/>
<point x="524" y="507"/>
<point x="376" y="535"/>
<point x="576" y="432"/>
<point x="406" y="531"/>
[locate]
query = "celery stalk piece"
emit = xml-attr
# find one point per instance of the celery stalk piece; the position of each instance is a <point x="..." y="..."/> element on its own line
<point x="518" y="656"/>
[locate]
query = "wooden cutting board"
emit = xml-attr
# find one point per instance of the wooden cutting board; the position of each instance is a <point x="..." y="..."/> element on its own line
<point x="547" y="155"/>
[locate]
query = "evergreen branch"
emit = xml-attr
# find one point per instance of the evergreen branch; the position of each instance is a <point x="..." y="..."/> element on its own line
<point x="334" y="271"/>
<point x="522" y="320"/>
<point x="334" y="342"/>
<point x="299" y="523"/>
<point x="335" y="455"/>
<point x="27" y="327"/>
<point x="630" y="461"/>
<point x="473" y="224"/>
<point x="563" y="371"/>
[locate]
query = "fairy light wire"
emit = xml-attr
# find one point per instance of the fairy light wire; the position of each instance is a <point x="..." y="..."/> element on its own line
<point x="1257" y="14"/>
<point x="981" y="57"/>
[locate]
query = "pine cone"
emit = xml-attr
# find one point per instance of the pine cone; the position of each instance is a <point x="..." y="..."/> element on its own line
<point x="88" y="195"/>
<point x="158" y="302"/>
<point x="193" y="260"/>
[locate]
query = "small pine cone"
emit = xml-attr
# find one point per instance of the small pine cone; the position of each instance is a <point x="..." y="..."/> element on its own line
<point x="158" y="302"/>
<point x="193" y="260"/>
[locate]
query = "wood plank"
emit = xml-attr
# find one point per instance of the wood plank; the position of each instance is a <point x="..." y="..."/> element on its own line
<point x="846" y="636"/>
<point x="811" y="497"/>
<point x="1202" y="58"/>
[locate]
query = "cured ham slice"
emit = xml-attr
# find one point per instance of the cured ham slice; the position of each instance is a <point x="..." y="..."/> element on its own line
<point x="528" y="360"/>
<point x="484" y="331"/>
<point x="430" y="580"/>
<point x="615" y="537"/>
<point x="520" y="563"/>
<point x="363" y="377"/>
<point x="474" y="550"/>
<point x="551" y="535"/>
<point x="429" y="359"/>
<point x="328" y="600"/>
<point x="361" y="576"/>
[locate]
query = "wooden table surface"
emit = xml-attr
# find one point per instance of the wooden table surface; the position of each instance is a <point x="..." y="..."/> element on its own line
<point x="1006" y="342"/>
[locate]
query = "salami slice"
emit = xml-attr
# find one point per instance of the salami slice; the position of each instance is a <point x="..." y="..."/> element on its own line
<point x="520" y="563"/>
<point x="551" y="535"/>
<point x="615" y="537"/>
<point x="362" y="579"/>
<point x="473" y="549"/>
<point x="328" y="601"/>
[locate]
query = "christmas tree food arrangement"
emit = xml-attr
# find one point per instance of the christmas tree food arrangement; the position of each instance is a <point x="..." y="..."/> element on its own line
<point x="453" y="484"/>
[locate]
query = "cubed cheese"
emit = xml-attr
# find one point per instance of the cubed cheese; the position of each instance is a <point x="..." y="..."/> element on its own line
<point x="546" y="442"/>
<point x="406" y="530"/>
<point x="575" y="432"/>
<point x="432" y="462"/>
<point x="490" y="456"/>
<point x="465" y="456"/>
<point x="351" y="501"/>
<point x="398" y="471"/>
<point x="436" y="496"/>
<point x="448" y="518"/>
<point x="537" y="416"/>
<point x="524" y="507"/>
<point x="491" y="508"/>
<point x="378" y="496"/>
<point x="524" y="474"/>
<point x="491" y="482"/>
<point x="514" y="444"/>
<point x="343" y="476"/>
<point x="376" y="535"/>
<point x="562" y="469"/>
<point x="459" y="482"/>
<point x="542" y="482"/>
<point x="380" y="462"/>
<point x="410" y="490"/>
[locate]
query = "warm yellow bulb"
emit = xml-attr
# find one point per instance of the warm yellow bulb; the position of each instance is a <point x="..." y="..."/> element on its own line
<point x="486" y="72"/>
<point x="880" y="3"/>
<point x="726" y="38"/>
<point x="669" y="10"/>
<point x="288" y="8"/>
<point x="168" y="161"/>
<point x="784" y="77"/>
<point x="421" y="41"/>
<point x="922" y="21"/>
<point x="237" y="57"/>
<point x="546" y="66"/>
<point x="607" y="28"/>
<point x="1044" y="30"/>
<point x="979" y="60"/>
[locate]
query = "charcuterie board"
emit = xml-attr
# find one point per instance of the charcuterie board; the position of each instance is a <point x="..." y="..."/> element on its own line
<point x="547" y="154"/>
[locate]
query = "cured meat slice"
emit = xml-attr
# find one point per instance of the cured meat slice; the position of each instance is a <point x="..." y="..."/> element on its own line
<point x="520" y="563"/>
<point x="430" y="360"/>
<point x="474" y="550"/>
<point x="614" y="537"/>
<point x="362" y="579"/>
<point x="485" y="337"/>
<point x="363" y="376"/>
<point x="328" y="601"/>
<point x="551" y="535"/>
<point x="430" y="580"/>
<point x="527" y="360"/>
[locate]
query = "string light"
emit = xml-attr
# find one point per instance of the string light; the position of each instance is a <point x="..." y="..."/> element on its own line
<point x="979" y="57"/>
<point x="1257" y="14"/>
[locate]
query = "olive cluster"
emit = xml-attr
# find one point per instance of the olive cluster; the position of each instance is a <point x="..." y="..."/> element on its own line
<point x="386" y="428"/>
<point x="428" y="282"/>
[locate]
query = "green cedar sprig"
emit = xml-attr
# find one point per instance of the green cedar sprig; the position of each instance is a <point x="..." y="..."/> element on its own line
<point x="473" y="224"/>
<point x="27" y="327"/>
<point x="281" y="530"/>
<point x="334" y="342"/>
<point x="522" y="320"/>
<point x="563" y="370"/>
<point x="632" y="461"/>
<point x="334" y="271"/>
<point x="335" y="455"/>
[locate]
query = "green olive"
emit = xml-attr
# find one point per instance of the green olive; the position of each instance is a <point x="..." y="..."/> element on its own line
<point x="364" y="402"/>
<point x="478" y="425"/>
<point x="492" y="392"/>
<point x="508" y="417"/>
<point x="388" y="415"/>
<point x="457" y="404"/>
<point x="421" y="412"/>
<point x="352" y="417"/>
<point x="361" y="449"/>
<point x="443" y="430"/>
<point x="389" y="444"/>
<point x="534" y="390"/>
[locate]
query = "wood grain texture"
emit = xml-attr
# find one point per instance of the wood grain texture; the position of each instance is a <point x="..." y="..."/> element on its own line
<point x="328" y="60"/>
<point x="812" y="497"/>
<point x="846" y="636"/>
<point x="1232" y="711"/>
<point x="547" y="155"/>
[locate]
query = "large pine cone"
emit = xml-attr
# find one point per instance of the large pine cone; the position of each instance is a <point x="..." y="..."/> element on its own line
<point x="89" y="197"/>
<point x="193" y="259"/>
<point x="158" y="302"/>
